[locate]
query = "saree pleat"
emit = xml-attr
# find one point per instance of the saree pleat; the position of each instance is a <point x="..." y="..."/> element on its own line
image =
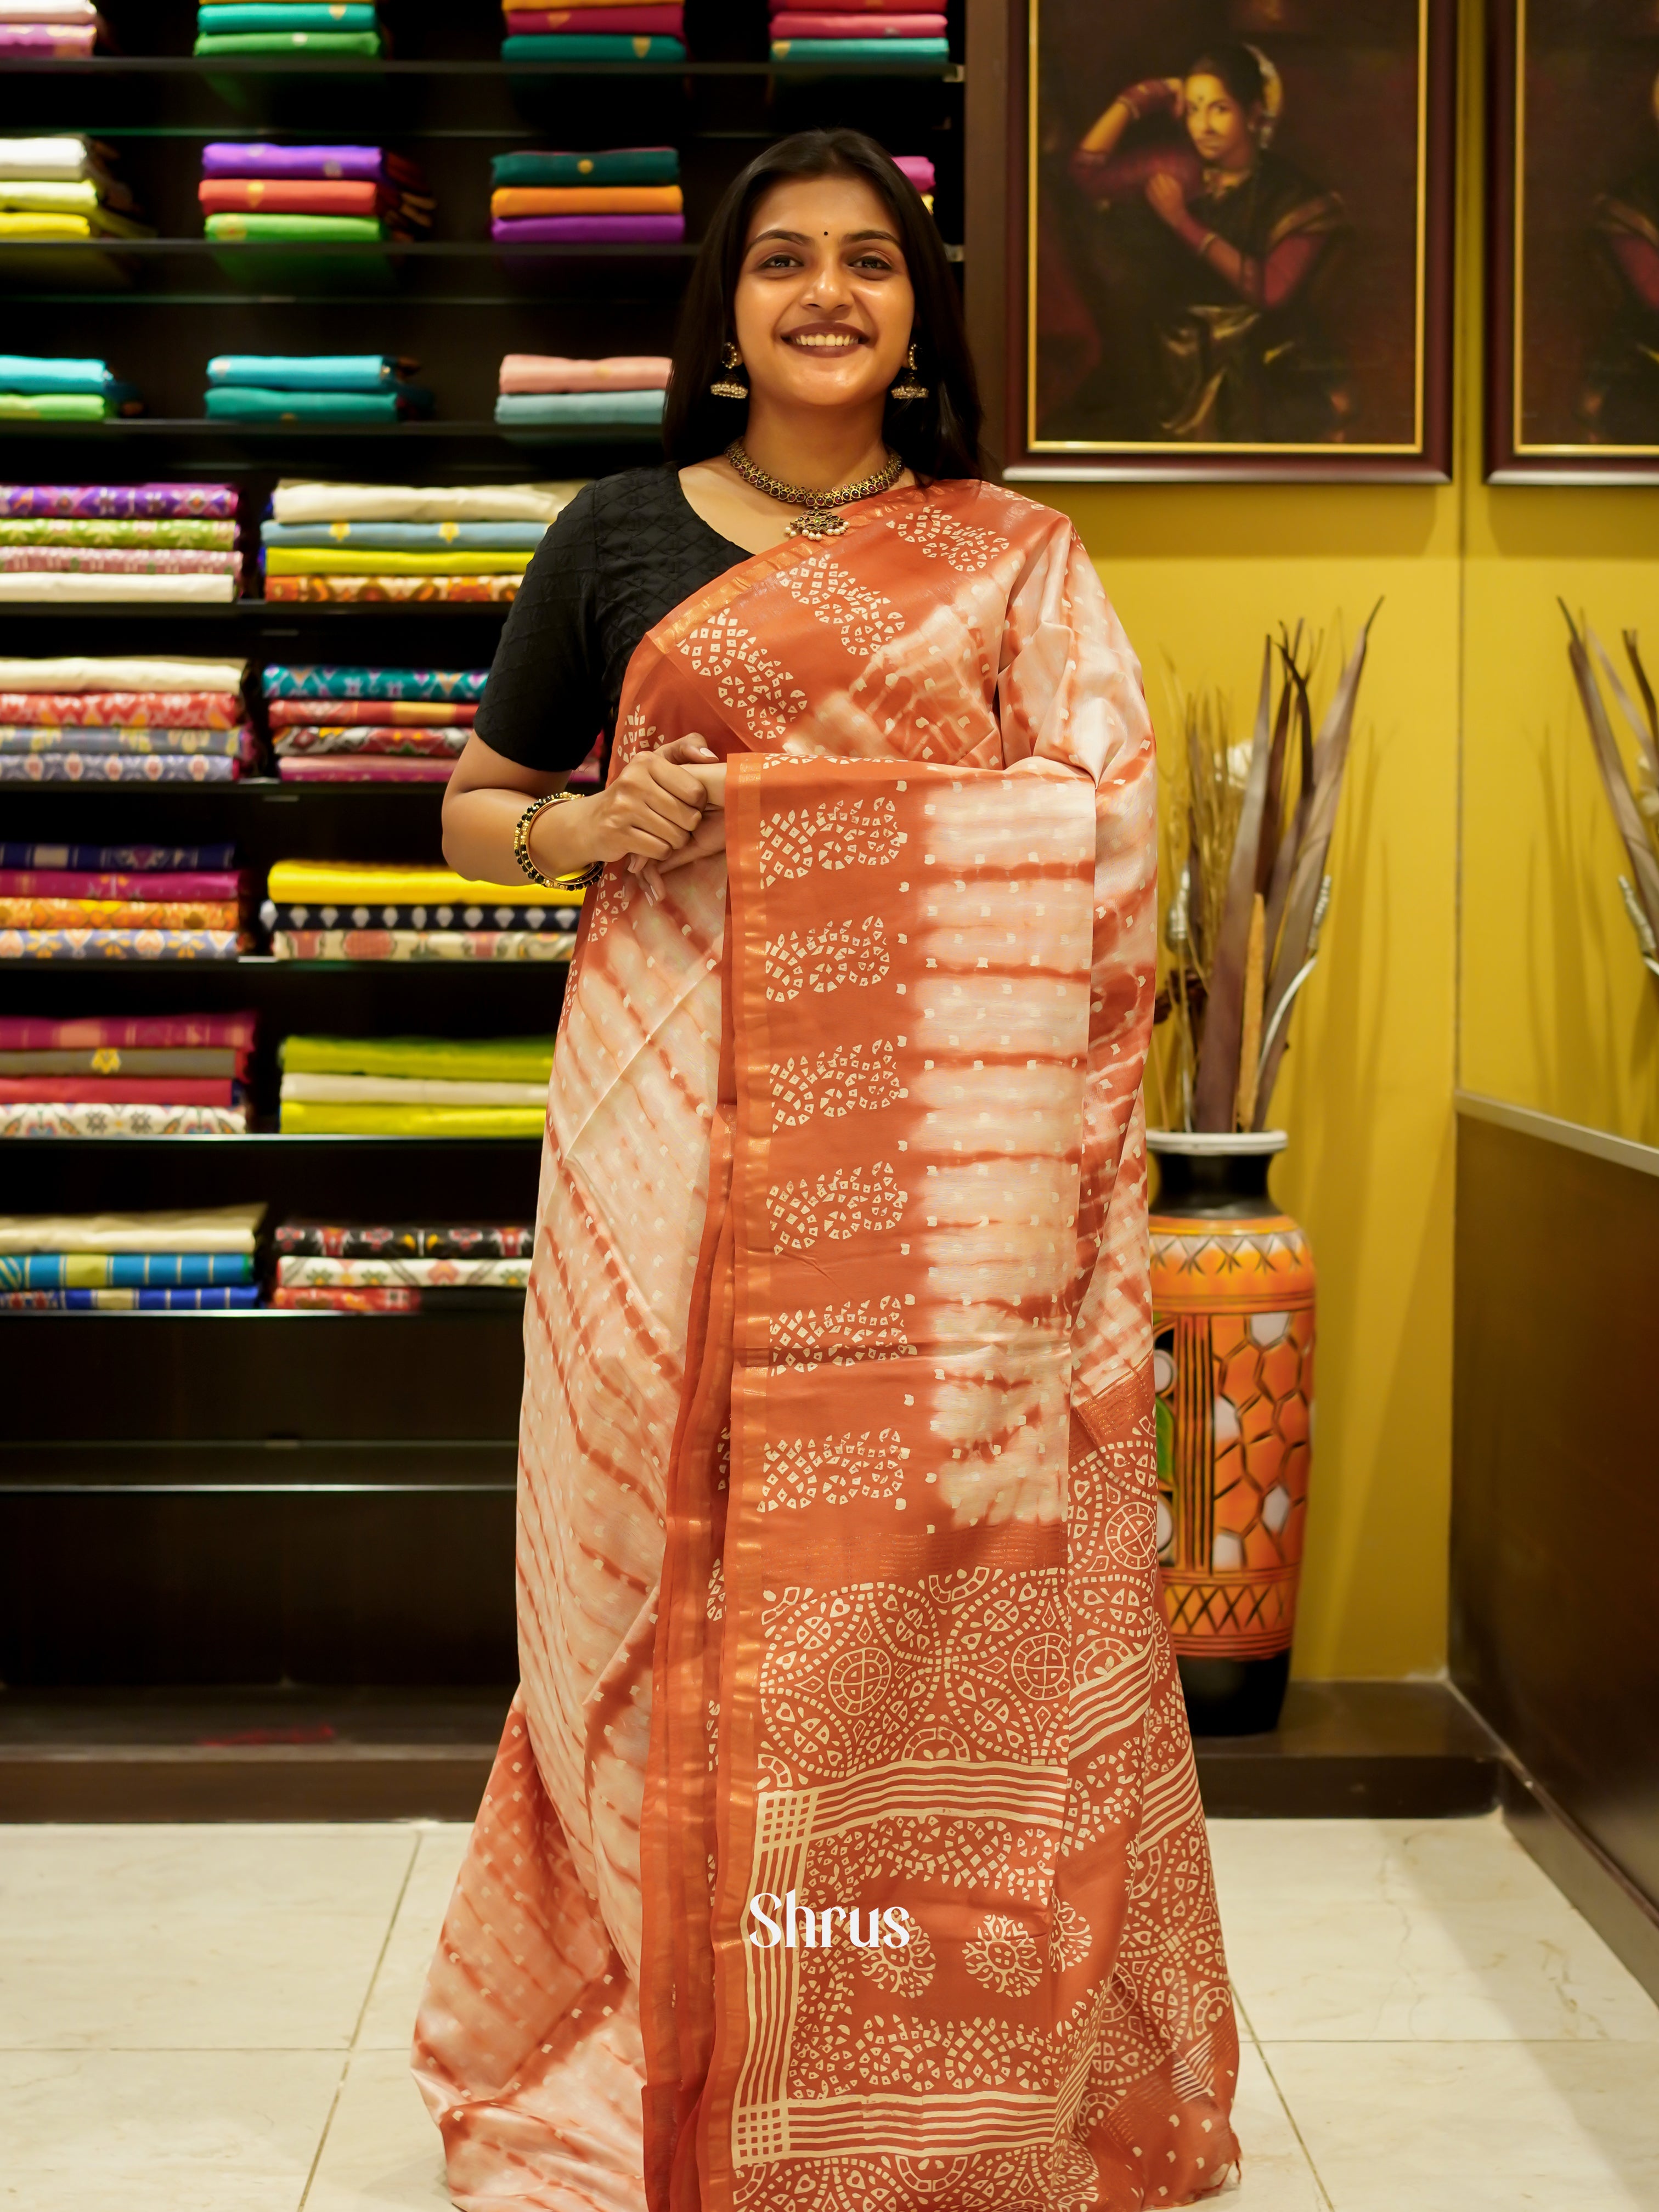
<point x="837" y="1495"/>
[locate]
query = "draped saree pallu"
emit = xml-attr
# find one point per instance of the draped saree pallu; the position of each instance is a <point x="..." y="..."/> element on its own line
<point x="837" y="1555"/>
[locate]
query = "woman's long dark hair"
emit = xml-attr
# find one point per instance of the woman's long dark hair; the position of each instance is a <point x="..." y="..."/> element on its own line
<point x="938" y="436"/>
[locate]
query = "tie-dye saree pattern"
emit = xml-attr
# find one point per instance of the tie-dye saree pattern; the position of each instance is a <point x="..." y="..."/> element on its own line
<point x="836" y="1556"/>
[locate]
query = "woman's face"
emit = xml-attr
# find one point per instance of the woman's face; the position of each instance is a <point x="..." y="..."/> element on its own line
<point x="1218" y="125"/>
<point x="824" y="307"/>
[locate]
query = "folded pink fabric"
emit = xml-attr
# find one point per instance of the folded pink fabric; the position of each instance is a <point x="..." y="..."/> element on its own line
<point x="357" y="768"/>
<point x="822" y="26"/>
<point x="645" y="20"/>
<point x="66" y="41"/>
<point x="918" y="168"/>
<point x="539" y="371"/>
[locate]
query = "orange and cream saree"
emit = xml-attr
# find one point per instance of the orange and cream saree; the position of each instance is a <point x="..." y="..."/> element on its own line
<point x="836" y="1555"/>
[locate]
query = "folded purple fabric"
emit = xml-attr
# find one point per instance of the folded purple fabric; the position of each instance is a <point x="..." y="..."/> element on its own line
<point x="241" y="158"/>
<point x="588" y="229"/>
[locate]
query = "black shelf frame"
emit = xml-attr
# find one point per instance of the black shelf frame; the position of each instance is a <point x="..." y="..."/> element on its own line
<point x="304" y="1496"/>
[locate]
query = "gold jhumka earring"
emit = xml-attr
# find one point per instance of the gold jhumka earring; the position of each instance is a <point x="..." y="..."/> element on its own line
<point x="907" y="387"/>
<point x="726" y="385"/>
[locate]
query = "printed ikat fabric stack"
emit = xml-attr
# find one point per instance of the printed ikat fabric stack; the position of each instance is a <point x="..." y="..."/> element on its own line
<point x="365" y="542"/>
<point x="340" y="910"/>
<point x="149" y="1075"/>
<point x="402" y="1267"/>
<point x="128" y="1263"/>
<point x="137" y="720"/>
<point x="375" y="725"/>
<point x="120" y="542"/>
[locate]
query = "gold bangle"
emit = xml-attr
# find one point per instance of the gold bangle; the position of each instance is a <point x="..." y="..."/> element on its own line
<point x="578" y="879"/>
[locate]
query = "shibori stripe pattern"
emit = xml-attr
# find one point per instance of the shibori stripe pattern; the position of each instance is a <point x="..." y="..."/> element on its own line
<point x="837" y="1560"/>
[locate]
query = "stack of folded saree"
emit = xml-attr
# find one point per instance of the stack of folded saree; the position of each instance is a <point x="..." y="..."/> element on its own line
<point x="298" y="196"/>
<point x="619" y="196"/>
<point x="60" y="191"/>
<point x="131" y="1263"/>
<point x="595" y="31"/>
<point x="402" y="1267"/>
<point x="415" y="1086"/>
<point x="328" y="541"/>
<point x="149" y="1075"/>
<point x="321" y="387"/>
<point x="289" y="26"/>
<point x="137" y="720"/>
<point x="81" y="902"/>
<point x="377" y="725"/>
<point x="51" y="388"/>
<point x="341" y="910"/>
<point x="617" y="391"/>
<point x="859" y="37"/>
<point x="157" y="541"/>
<point x="54" y="30"/>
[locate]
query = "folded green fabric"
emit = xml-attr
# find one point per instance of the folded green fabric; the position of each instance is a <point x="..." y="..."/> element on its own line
<point x="589" y="408"/>
<point x="61" y="406"/>
<point x="861" y="52"/>
<point x="296" y="229"/>
<point x="480" y="1060"/>
<point x="228" y="15"/>
<point x="616" y="165"/>
<point x="323" y="43"/>
<point x="247" y="403"/>
<point x="558" y="46"/>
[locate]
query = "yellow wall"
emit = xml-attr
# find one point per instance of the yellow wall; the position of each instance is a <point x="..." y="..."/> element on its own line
<point x="1203" y="571"/>
<point x="1466" y="714"/>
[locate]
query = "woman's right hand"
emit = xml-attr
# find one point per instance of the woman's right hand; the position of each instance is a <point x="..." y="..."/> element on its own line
<point x="654" y="804"/>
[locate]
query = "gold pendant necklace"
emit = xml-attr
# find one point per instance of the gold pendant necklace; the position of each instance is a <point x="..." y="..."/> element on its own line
<point x="822" y="518"/>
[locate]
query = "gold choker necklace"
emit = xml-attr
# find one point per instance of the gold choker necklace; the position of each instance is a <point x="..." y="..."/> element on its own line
<point x="821" y="519"/>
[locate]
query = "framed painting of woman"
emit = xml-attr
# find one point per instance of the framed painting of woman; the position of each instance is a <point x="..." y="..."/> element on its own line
<point x="1234" y="254"/>
<point x="1573" y="259"/>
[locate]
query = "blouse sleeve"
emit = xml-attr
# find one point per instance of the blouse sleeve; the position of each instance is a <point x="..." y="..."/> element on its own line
<point x="544" y="702"/>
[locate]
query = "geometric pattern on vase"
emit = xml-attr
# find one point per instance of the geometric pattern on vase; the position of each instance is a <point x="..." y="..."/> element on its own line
<point x="1233" y="1368"/>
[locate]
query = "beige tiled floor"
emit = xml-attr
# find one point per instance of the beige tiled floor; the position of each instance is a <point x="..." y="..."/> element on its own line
<point x="216" y="2019"/>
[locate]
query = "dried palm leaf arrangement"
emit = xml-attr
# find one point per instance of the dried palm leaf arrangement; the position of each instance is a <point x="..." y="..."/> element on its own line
<point x="1635" y="813"/>
<point x="1246" y="838"/>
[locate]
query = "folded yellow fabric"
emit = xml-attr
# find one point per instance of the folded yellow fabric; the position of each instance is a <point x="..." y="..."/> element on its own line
<point x="342" y="560"/>
<point x="342" y="883"/>
<point x="478" y="1059"/>
<point x="586" y="199"/>
<point x="101" y="223"/>
<point x="407" y="1091"/>
<point x="197" y="1229"/>
<point x="302" y="1118"/>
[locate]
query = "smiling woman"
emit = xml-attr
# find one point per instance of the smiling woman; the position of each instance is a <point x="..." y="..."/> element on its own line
<point x="842" y="1225"/>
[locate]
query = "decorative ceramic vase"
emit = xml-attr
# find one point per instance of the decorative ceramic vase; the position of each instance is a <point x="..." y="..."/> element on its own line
<point x="1233" y="1365"/>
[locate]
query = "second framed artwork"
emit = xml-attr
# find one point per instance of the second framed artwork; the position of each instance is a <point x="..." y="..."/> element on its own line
<point x="1573" y="258"/>
<point x="1234" y="255"/>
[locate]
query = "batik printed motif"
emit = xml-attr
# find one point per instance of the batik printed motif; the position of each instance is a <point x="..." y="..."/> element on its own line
<point x="836" y="1562"/>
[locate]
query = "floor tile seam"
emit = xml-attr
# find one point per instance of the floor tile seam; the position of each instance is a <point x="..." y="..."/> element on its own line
<point x="357" y="2029"/>
<point x="1458" y="2043"/>
<point x="1295" y="2126"/>
<point x="1241" y="2009"/>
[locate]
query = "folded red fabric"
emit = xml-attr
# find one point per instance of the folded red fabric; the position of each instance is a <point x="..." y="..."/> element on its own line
<point x="820" y="25"/>
<point x="630" y="22"/>
<point x="298" y="196"/>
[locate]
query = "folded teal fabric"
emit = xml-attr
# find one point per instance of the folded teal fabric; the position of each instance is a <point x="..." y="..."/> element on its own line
<point x="410" y="537"/>
<point x="323" y="45"/>
<point x="861" y="52"/>
<point x="615" y="165"/>
<point x="306" y="371"/>
<point x="246" y="402"/>
<point x="557" y="46"/>
<point x="23" y="372"/>
<point x="592" y="409"/>
<point x="286" y="15"/>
